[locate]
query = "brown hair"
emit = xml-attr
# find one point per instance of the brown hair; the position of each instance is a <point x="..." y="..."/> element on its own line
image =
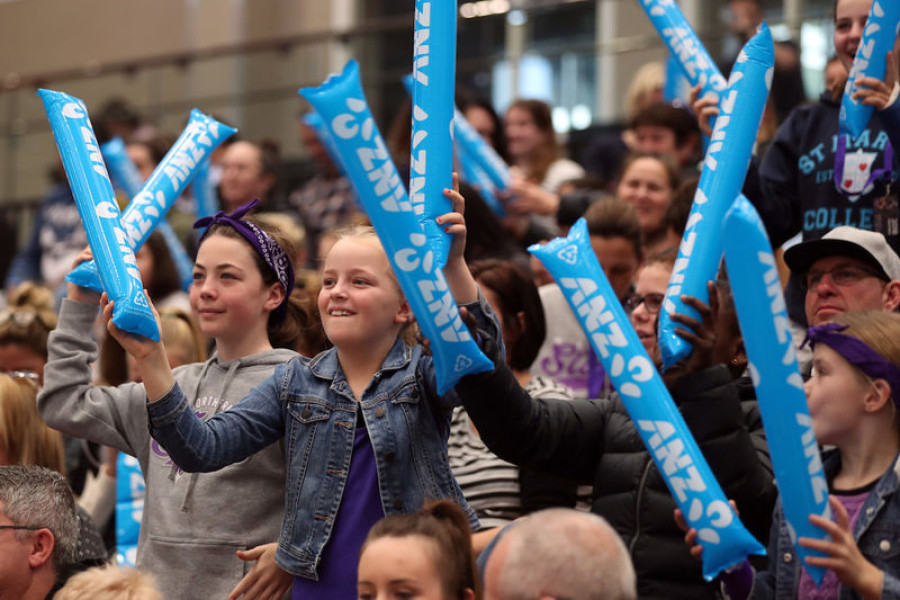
<point x="165" y="279"/>
<point x="669" y="166"/>
<point x="446" y="525"/>
<point x="547" y="152"/>
<point x="612" y="217"/>
<point x="29" y="318"/>
<point x="24" y="437"/>
<point x="288" y="332"/>
<point x="518" y="295"/>
<point x="662" y="114"/>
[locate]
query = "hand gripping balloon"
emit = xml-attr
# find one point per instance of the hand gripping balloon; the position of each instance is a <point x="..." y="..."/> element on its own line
<point x="99" y="212"/>
<point x="147" y="209"/>
<point x="574" y="266"/>
<point x="343" y="107"/>
<point x="126" y="175"/>
<point x="696" y="63"/>
<point x="434" y="90"/>
<point x="761" y="312"/>
<point x="724" y="169"/>
<point x="877" y="40"/>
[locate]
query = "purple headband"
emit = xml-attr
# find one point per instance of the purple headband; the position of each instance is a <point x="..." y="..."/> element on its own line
<point x="264" y="244"/>
<point x="857" y="353"/>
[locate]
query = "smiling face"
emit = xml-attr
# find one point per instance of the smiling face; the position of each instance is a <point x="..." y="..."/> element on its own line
<point x="229" y="298"/>
<point x="849" y="22"/>
<point x="652" y="280"/>
<point x="400" y="568"/>
<point x="360" y="301"/>
<point x="645" y="185"/>
<point x="523" y="136"/>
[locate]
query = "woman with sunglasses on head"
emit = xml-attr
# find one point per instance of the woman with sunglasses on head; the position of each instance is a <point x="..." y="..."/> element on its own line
<point x="595" y="441"/>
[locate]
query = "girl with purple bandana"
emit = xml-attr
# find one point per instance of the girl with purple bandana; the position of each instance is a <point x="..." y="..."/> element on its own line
<point x="364" y="429"/>
<point x="853" y="397"/>
<point x="201" y="535"/>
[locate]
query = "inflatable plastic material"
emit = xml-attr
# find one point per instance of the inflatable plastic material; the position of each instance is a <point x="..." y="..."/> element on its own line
<point x="721" y="179"/>
<point x="575" y="268"/>
<point x="475" y="176"/>
<point x="676" y="88"/>
<point x="481" y="152"/>
<point x="683" y="43"/>
<point x="761" y="311"/>
<point x="99" y="212"/>
<point x="341" y="103"/>
<point x="148" y="208"/>
<point x="205" y="197"/>
<point x="125" y="174"/>
<point x="870" y="61"/>
<point x="130" y="493"/>
<point x="314" y="122"/>
<point x="434" y="90"/>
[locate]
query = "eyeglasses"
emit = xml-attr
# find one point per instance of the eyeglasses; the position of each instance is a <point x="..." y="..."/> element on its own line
<point x="653" y="302"/>
<point x="841" y="276"/>
<point x="25" y="527"/>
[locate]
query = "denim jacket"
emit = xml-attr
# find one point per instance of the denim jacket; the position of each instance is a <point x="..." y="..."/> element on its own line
<point x="876" y="533"/>
<point x="310" y="403"/>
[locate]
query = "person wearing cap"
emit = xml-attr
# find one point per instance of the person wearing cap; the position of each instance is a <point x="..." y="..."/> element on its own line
<point x="847" y="270"/>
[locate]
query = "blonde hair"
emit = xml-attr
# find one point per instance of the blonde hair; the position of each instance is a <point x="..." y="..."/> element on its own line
<point x="24" y="437"/>
<point x="179" y="330"/>
<point x="29" y="318"/>
<point x="648" y="80"/>
<point x="110" y="583"/>
<point x="879" y="330"/>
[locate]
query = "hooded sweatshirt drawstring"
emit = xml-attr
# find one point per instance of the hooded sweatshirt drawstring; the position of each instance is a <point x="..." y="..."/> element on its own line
<point x="229" y="377"/>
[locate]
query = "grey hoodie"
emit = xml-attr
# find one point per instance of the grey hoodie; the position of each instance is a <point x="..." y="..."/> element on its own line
<point x="192" y="524"/>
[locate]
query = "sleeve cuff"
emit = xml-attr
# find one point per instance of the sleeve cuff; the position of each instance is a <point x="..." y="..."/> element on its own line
<point x="167" y="409"/>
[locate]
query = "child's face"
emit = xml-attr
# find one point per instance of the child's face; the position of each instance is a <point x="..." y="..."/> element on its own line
<point x="360" y="301"/>
<point x="228" y="296"/>
<point x="399" y="567"/>
<point x="835" y="394"/>
<point x="619" y="262"/>
<point x="849" y="22"/>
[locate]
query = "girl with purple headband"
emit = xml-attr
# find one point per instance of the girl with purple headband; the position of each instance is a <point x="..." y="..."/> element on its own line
<point x="193" y="525"/>
<point x="853" y="398"/>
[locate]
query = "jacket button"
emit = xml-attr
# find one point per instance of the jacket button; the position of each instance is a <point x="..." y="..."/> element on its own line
<point x="884" y="545"/>
<point x="870" y="510"/>
<point x="788" y="557"/>
<point x="390" y="456"/>
<point x="379" y="412"/>
<point x="398" y="504"/>
<point x="306" y="412"/>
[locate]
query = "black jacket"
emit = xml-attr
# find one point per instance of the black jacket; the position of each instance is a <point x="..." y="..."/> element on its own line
<point x="595" y="441"/>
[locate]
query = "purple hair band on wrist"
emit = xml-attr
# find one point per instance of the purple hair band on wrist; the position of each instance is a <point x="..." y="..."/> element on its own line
<point x="857" y="353"/>
<point x="264" y="244"/>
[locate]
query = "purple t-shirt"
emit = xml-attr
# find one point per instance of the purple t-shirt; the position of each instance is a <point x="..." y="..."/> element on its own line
<point x="831" y="588"/>
<point x="360" y="509"/>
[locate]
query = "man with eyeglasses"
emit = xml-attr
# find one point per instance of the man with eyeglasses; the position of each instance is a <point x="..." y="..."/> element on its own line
<point x="38" y="532"/>
<point x="847" y="270"/>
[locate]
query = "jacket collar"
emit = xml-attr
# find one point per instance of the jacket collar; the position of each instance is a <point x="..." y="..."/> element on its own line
<point x="326" y="365"/>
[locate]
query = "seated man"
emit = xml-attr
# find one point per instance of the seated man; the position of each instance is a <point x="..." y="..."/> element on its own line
<point x="847" y="270"/>
<point x="560" y="553"/>
<point x="38" y="532"/>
